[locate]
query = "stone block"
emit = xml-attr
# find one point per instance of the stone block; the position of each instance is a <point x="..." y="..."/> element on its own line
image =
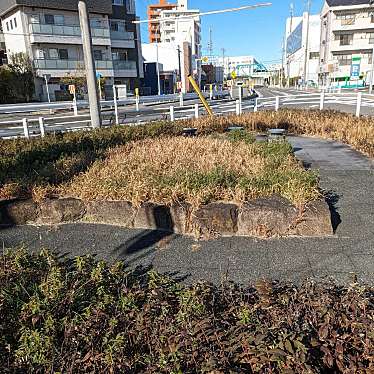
<point x="18" y="212"/>
<point x="54" y="211"/>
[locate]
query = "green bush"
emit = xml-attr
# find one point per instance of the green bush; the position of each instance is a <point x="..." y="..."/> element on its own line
<point x="84" y="316"/>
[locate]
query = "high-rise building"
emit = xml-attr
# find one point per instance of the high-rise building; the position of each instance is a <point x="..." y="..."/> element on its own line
<point x="49" y="33"/>
<point x="347" y="41"/>
<point x="154" y="11"/>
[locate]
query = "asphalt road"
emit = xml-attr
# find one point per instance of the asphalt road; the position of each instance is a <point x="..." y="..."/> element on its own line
<point x="348" y="177"/>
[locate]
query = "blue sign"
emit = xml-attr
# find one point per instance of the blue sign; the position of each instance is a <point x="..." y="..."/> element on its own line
<point x="98" y="75"/>
<point x="295" y="40"/>
<point x="355" y="71"/>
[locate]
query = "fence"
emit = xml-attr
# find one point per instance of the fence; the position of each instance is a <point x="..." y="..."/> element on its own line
<point x="41" y="126"/>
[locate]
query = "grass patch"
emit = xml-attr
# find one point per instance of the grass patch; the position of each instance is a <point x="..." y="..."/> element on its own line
<point x="196" y="170"/>
<point x="28" y="167"/>
<point x="84" y="316"/>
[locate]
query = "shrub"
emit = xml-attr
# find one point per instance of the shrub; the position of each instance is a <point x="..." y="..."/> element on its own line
<point x="84" y="316"/>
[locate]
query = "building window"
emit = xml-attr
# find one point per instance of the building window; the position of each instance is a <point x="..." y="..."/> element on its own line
<point x="63" y="54"/>
<point x="314" y="55"/>
<point x="15" y="23"/>
<point x="40" y="54"/>
<point x="98" y="54"/>
<point x="345" y="39"/>
<point x="370" y="36"/>
<point x="59" y="20"/>
<point x="49" y="19"/>
<point x="11" y="24"/>
<point x="347" y="19"/>
<point x="34" y="18"/>
<point x="344" y="60"/>
<point x="117" y="2"/>
<point x="53" y="53"/>
<point x="7" y="26"/>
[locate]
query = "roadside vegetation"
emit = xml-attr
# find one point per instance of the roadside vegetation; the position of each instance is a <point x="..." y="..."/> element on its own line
<point x="33" y="167"/>
<point x="84" y="316"/>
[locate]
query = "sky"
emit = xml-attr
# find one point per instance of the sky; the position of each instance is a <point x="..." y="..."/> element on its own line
<point x="257" y="32"/>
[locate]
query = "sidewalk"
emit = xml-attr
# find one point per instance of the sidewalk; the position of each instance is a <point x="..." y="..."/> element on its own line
<point x="346" y="174"/>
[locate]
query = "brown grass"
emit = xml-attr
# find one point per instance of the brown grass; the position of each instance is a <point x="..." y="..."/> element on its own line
<point x="195" y="170"/>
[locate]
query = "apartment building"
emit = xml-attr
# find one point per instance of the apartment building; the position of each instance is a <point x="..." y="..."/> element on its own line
<point x="49" y="32"/>
<point x="154" y="11"/>
<point x="302" y="48"/>
<point x="347" y="41"/>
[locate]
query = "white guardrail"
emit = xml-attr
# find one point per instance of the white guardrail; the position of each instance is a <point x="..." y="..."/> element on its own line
<point x="40" y="126"/>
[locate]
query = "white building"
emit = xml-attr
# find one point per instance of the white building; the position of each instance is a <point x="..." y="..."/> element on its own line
<point x="347" y="41"/>
<point x="242" y="66"/>
<point x="296" y="57"/>
<point x="51" y="37"/>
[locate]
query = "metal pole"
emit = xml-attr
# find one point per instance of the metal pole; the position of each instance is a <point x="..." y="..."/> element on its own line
<point x="255" y="109"/>
<point x="322" y="100"/>
<point x="115" y="103"/>
<point x="307" y="44"/>
<point x="358" y="107"/>
<point x="26" y="128"/>
<point x="372" y="73"/>
<point x="237" y="107"/>
<point x="240" y="99"/>
<point x="158" y="72"/>
<point x="93" y="96"/>
<point x="75" y="105"/>
<point x="196" y="110"/>
<point x="46" y="85"/>
<point x="277" y="103"/>
<point x="172" y="114"/>
<point x="181" y="100"/>
<point x="41" y="126"/>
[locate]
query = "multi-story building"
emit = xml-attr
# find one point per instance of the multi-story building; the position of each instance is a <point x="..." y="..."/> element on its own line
<point x="49" y="33"/>
<point x="153" y="12"/>
<point x="347" y="41"/>
<point x="2" y="47"/>
<point x="302" y="45"/>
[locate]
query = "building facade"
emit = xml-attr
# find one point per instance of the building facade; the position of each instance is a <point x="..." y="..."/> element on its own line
<point x="302" y="49"/>
<point x="347" y="42"/>
<point x="49" y="33"/>
<point x="153" y="12"/>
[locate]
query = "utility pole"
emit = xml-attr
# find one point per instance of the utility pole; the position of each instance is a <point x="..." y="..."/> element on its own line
<point x="223" y="61"/>
<point x="158" y="72"/>
<point x="210" y="44"/>
<point x="179" y="63"/>
<point x="307" y="43"/>
<point x="372" y="73"/>
<point x="288" y="61"/>
<point x="93" y="96"/>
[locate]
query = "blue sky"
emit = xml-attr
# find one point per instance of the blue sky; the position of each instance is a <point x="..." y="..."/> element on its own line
<point x="251" y="32"/>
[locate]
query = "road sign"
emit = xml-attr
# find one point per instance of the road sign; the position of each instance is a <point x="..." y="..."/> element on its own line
<point x="72" y="89"/>
<point x="205" y="59"/>
<point x="234" y="75"/>
<point x="98" y="75"/>
<point x="355" y="70"/>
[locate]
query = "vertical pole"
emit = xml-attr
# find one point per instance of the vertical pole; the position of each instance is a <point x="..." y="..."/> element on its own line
<point x="41" y="125"/>
<point x="158" y="72"/>
<point x="46" y="85"/>
<point x="211" y="92"/>
<point x="196" y="110"/>
<point x="237" y="107"/>
<point x="115" y="103"/>
<point x="277" y="103"/>
<point x="255" y="109"/>
<point x="240" y="99"/>
<point x="172" y="114"/>
<point x="358" y="107"/>
<point x="137" y="103"/>
<point x="26" y="128"/>
<point x="75" y="105"/>
<point x="372" y="73"/>
<point x="307" y="45"/>
<point x="322" y="100"/>
<point x="93" y="96"/>
<point x="181" y="101"/>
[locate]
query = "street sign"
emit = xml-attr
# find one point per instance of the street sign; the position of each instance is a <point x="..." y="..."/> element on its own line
<point x="355" y="70"/>
<point x="98" y="75"/>
<point x="205" y="59"/>
<point x="234" y="75"/>
<point x="72" y="89"/>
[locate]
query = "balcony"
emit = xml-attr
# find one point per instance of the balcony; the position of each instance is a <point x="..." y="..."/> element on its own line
<point x="359" y="23"/>
<point x="122" y="39"/>
<point x="125" y="69"/>
<point x="60" y="68"/>
<point x="66" y="34"/>
<point x="357" y="44"/>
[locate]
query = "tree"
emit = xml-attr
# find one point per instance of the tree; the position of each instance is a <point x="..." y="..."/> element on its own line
<point x="21" y="67"/>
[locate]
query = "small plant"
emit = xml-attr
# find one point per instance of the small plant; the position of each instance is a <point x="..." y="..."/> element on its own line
<point x="241" y="136"/>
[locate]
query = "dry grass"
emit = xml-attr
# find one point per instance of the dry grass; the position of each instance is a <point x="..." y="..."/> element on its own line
<point x="195" y="170"/>
<point x="346" y="128"/>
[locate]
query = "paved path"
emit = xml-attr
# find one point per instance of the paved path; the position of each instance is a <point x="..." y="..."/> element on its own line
<point x="345" y="173"/>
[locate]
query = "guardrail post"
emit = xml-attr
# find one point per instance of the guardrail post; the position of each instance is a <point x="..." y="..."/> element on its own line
<point x="137" y="103"/>
<point x="115" y="103"/>
<point x="240" y="99"/>
<point x="196" y="110"/>
<point x="322" y="100"/>
<point x="26" y="128"/>
<point x="237" y="107"/>
<point x="255" y="109"/>
<point x="359" y="101"/>
<point x="211" y="92"/>
<point x="172" y="118"/>
<point x="41" y="125"/>
<point x="277" y="103"/>
<point x="181" y="101"/>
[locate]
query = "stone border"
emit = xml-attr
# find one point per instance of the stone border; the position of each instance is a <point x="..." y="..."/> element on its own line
<point x="265" y="217"/>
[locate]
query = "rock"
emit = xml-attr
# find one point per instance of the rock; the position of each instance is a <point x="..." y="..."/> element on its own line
<point x="180" y="216"/>
<point x="153" y="216"/>
<point x="18" y="212"/>
<point x="54" y="211"/>
<point x="216" y="218"/>
<point x="267" y="217"/>
<point x="120" y="213"/>
<point x="315" y="220"/>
